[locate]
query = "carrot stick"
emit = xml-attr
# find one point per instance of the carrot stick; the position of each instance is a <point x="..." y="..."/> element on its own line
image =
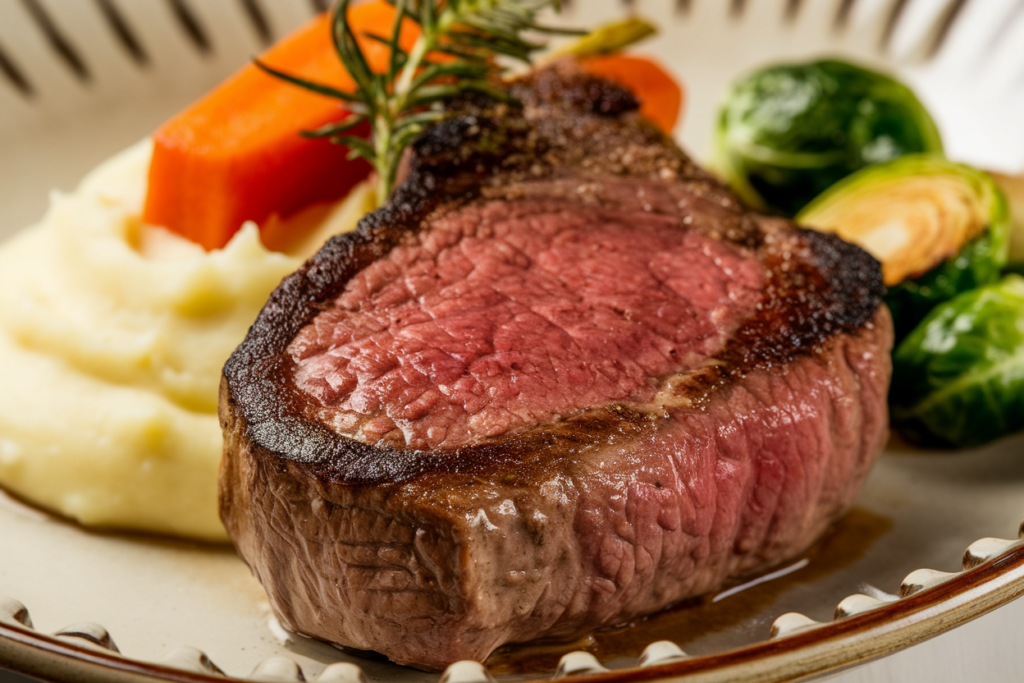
<point x="236" y="154"/>
<point x="661" y="97"/>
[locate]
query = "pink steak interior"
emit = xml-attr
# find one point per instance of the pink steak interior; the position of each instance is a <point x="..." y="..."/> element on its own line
<point x="502" y="315"/>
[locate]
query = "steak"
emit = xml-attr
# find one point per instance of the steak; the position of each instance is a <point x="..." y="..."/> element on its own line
<point x="562" y="379"/>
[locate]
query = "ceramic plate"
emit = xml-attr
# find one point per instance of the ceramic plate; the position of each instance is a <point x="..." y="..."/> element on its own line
<point x="81" y="79"/>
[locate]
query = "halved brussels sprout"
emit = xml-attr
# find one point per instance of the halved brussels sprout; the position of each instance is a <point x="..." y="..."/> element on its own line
<point x="1013" y="188"/>
<point x="937" y="227"/>
<point x="787" y="133"/>
<point x="958" y="379"/>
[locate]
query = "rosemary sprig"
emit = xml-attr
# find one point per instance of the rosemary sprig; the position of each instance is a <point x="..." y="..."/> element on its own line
<point x="455" y="53"/>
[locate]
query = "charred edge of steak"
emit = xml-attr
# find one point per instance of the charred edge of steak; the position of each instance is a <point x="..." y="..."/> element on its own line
<point x="841" y="293"/>
<point x="480" y="150"/>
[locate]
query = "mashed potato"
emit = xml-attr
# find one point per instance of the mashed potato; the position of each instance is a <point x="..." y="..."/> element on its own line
<point x="112" y="338"/>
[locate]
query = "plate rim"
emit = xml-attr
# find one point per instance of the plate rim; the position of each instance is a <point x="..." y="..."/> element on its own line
<point x="798" y="649"/>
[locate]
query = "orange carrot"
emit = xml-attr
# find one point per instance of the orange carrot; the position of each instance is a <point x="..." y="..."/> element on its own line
<point x="661" y="97"/>
<point x="236" y="154"/>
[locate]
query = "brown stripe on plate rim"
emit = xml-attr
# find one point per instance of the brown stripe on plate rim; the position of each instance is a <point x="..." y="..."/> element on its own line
<point x="842" y="17"/>
<point x="60" y="44"/>
<point x="258" y="19"/>
<point x="949" y="16"/>
<point x="15" y="76"/>
<point x="792" y="10"/>
<point x="892" y="19"/>
<point x="190" y="26"/>
<point x="123" y="32"/>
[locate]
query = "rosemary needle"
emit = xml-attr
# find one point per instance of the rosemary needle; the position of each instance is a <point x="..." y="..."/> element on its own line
<point x="457" y="51"/>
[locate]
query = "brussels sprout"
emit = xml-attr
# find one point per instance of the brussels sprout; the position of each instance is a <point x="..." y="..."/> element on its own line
<point x="958" y="379"/>
<point x="787" y="133"/>
<point x="1013" y="188"/>
<point x="938" y="228"/>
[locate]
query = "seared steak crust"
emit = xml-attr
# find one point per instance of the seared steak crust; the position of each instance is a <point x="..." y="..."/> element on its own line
<point x="584" y="519"/>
